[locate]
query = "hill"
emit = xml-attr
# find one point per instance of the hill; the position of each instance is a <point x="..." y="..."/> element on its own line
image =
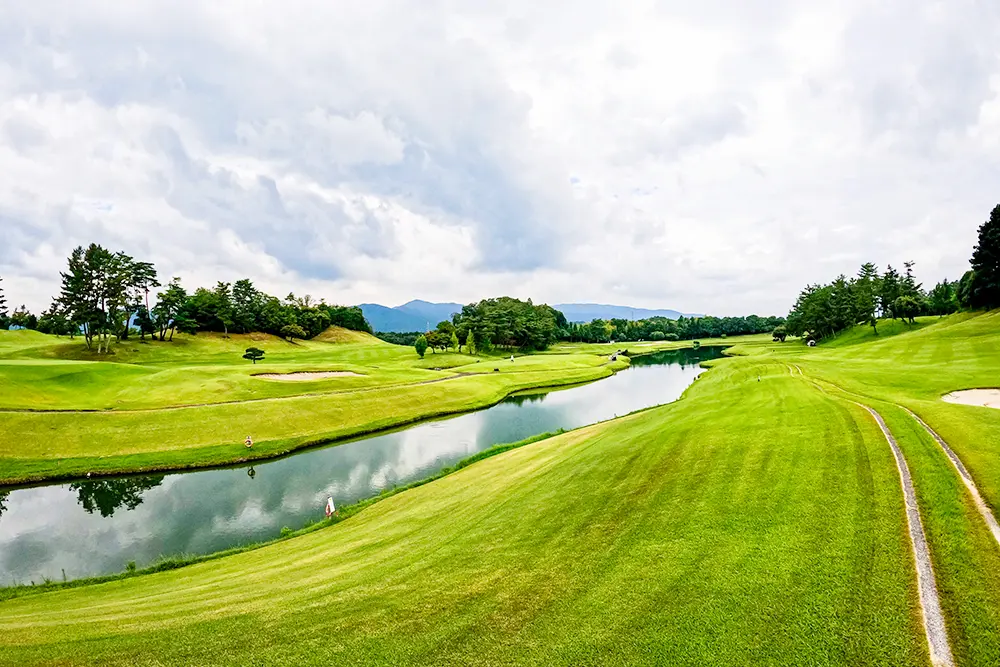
<point x="585" y="312"/>
<point x="430" y="312"/>
<point x="384" y="318"/>
<point x="419" y="315"/>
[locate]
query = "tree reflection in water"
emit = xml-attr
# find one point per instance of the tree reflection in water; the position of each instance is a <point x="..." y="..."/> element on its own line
<point x="108" y="495"/>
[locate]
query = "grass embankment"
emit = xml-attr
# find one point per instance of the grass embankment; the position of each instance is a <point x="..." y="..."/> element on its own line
<point x="752" y="523"/>
<point x="155" y="406"/>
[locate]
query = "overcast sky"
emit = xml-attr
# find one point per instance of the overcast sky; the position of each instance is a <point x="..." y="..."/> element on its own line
<point x="701" y="156"/>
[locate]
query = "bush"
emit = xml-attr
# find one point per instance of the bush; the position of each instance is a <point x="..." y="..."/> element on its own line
<point x="421" y="345"/>
<point x="672" y="337"/>
<point x="656" y="335"/>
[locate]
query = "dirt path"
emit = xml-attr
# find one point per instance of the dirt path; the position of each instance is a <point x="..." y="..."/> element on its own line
<point x="930" y="604"/>
<point x="970" y="484"/>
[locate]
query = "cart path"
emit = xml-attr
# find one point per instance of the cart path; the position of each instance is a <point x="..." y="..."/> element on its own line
<point x="930" y="604"/>
<point x="970" y="484"/>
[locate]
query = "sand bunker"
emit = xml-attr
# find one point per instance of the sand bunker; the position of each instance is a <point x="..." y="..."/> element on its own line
<point x="987" y="398"/>
<point x="306" y="376"/>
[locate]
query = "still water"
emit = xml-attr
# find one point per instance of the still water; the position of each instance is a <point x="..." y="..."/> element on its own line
<point x="97" y="526"/>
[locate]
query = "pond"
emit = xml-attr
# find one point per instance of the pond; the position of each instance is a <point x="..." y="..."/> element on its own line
<point x="93" y="527"/>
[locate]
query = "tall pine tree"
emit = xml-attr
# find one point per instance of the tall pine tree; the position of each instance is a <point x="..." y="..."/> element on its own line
<point x="986" y="264"/>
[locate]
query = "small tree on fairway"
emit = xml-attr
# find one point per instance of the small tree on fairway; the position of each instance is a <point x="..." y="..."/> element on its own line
<point x="420" y="345"/>
<point x="454" y="341"/>
<point x="779" y="334"/>
<point x="254" y="354"/>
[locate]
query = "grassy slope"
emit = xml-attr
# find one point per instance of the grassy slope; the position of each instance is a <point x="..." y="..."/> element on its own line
<point x="750" y="523"/>
<point x="156" y="406"/>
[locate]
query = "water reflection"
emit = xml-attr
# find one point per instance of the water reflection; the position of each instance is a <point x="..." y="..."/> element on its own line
<point x="107" y="495"/>
<point x="44" y="530"/>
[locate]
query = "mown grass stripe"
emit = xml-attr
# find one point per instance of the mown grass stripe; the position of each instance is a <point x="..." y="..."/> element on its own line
<point x="963" y="473"/>
<point x="930" y="604"/>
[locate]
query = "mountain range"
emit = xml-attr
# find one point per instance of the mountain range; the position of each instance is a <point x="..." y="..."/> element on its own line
<point x="418" y="315"/>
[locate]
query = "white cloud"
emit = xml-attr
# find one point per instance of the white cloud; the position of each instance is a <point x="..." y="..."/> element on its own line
<point x="708" y="156"/>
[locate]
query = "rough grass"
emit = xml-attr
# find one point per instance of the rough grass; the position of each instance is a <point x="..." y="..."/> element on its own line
<point x="752" y="523"/>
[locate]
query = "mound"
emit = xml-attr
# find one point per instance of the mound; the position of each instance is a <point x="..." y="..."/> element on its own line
<point x="305" y="376"/>
<point x="335" y="334"/>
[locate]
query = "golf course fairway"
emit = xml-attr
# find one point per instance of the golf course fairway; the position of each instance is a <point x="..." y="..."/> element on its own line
<point x="758" y="520"/>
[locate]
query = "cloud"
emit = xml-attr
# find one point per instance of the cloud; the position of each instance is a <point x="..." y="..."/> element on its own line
<point x="708" y="157"/>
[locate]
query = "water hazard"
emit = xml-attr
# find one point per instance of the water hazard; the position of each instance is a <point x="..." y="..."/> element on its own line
<point x="93" y="527"/>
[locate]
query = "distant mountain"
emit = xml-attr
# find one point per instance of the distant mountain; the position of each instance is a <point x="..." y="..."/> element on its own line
<point x="430" y="312"/>
<point x="383" y="318"/>
<point x="418" y="315"/>
<point x="585" y="312"/>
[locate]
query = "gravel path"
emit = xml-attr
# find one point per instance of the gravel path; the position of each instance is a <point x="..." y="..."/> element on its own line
<point x="984" y="509"/>
<point x="930" y="605"/>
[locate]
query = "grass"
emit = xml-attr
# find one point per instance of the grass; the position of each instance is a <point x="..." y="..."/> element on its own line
<point x="154" y="406"/>
<point x="758" y="520"/>
<point x="750" y="530"/>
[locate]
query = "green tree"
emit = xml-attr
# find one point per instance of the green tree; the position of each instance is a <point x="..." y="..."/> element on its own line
<point x="454" y="341"/>
<point x="168" y="308"/>
<point x="985" y="292"/>
<point x="53" y="321"/>
<point x="657" y="335"/>
<point x="292" y="331"/>
<point x="906" y="308"/>
<point x="420" y="345"/>
<point x="943" y="299"/>
<point x="253" y="354"/>
<point x="3" y="308"/>
<point x="779" y="334"/>
<point x="866" y="290"/>
<point x="23" y="319"/>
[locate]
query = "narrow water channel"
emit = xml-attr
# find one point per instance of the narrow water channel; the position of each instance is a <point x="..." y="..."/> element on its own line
<point x="97" y="526"/>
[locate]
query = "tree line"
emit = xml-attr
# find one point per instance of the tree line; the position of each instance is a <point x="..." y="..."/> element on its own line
<point x="506" y="323"/>
<point x="823" y="310"/>
<point x="105" y="296"/>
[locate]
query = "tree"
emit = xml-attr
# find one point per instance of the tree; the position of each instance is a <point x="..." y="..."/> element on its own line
<point x="779" y="334"/>
<point x="3" y="308"/>
<point x="985" y="292"/>
<point x="867" y="287"/>
<point x="291" y="331"/>
<point x="54" y="321"/>
<point x="253" y="354"/>
<point x="906" y="308"/>
<point x="943" y="299"/>
<point x="168" y="307"/>
<point x="23" y="319"/>
<point x="657" y="335"/>
<point x="421" y="345"/>
<point x="454" y="341"/>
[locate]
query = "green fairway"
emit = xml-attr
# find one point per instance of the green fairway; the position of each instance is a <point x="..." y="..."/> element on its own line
<point x="751" y="522"/>
<point x="65" y="411"/>
<point x="759" y="520"/>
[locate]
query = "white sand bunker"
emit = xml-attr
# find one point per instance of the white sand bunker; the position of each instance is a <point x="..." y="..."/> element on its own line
<point x="306" y="376"/>
<point x="987" y="398"/>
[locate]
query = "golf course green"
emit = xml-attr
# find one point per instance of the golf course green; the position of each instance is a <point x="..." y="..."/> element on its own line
<point x="191" y="402"/>
<point x="758" y="520"/>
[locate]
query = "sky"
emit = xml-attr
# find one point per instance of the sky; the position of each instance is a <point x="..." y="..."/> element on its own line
<point x="703" y="156"/>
